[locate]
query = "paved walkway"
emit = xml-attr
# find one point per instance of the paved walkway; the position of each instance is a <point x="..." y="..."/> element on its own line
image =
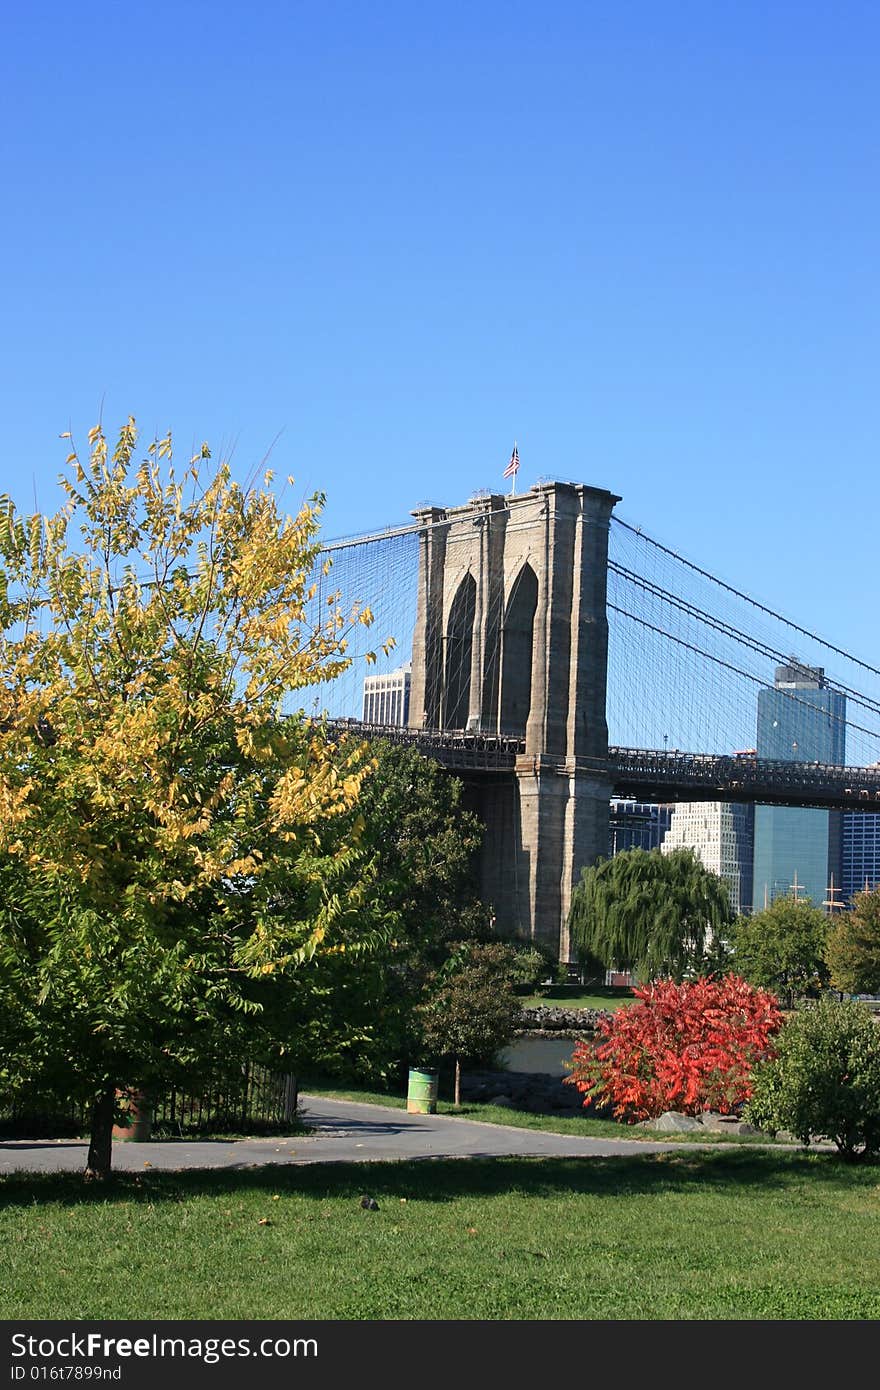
<point x="342" y="1132"/>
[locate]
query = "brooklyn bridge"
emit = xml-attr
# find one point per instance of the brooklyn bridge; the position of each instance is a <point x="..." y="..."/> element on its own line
<point x="557" y="656"/>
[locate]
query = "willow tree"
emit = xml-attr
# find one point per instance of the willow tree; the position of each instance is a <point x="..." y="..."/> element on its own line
<point x="651" y="913"/>
<point x="168" y="842"/>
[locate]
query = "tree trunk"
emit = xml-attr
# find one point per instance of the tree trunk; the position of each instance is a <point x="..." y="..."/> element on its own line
<point x="99" y="1160"/>
<point x="457" y="1082"/>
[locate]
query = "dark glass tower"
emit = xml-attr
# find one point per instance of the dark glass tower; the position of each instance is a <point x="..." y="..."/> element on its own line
<point x="799" y="720"/>
<point x="861" y="851"/>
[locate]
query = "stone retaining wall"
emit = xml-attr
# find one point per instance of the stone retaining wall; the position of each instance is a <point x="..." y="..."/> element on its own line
<point x="519" y="1090"/>
<point x="548" y="1019"/>
<point x="535" y="1091"/>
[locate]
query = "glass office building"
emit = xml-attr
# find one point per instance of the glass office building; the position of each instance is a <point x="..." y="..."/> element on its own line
<point x="636" y="825"/>
<point x="799" y="720"/>
<point x="861" y="851"/>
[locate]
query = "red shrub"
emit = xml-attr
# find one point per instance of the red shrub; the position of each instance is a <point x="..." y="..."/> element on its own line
<point x="687" y="1047"/>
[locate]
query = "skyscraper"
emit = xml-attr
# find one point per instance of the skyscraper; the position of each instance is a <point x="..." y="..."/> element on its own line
<point x="636" y="825"/>
<point x="800" y="719"/>
<point x="386" y="697"/>
<point x="721" y="835"/>
<point x="861" y="851"/>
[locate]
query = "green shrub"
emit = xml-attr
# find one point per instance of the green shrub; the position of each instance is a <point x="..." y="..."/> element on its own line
<point x="824" y="1081"/>
<point x="530" y="966"/>
<point x="469" y="1011"/>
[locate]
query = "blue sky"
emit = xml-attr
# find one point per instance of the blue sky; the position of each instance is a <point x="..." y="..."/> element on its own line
<point x="382" y="241"/>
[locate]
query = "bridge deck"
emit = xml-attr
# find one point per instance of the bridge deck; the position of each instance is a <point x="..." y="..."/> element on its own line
<point x="649" y="774"/>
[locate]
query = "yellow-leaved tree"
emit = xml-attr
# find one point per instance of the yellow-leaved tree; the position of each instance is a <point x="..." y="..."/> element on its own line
<point x="171" y="849"/>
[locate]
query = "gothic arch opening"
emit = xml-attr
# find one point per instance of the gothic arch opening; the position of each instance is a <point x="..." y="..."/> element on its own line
<point x="459" y="645"/>
<point x="516" y="653"/>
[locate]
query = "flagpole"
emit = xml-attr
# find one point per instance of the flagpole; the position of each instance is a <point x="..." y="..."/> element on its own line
<point x="512" y="469"/>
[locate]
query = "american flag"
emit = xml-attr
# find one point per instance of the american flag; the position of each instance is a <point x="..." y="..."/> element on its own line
<point x="513" y="467"/>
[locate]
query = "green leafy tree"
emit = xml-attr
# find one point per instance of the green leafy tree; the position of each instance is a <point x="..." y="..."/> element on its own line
<point x="532" y="965"/>
<point x="421" y="845"/>
<point x="652" y="913"/>
<point x="852" y="953"/>
<point x="824" y="1080"/>
<point x="783" y="948"/>
<point x="171" y="848"/>
<point x="470" y="1009"/>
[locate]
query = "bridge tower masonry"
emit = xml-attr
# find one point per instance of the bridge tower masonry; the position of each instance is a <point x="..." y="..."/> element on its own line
<point x="511" y="639"/>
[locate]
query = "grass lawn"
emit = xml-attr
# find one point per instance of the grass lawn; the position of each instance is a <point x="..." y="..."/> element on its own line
<point x="733" y="1233"/>
<point x="567" y="997"/>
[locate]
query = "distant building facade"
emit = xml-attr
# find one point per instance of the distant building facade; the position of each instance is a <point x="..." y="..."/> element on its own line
<point x="861" y="852"/>
<point x="637" y="825"/>
<point x="800" y="719"/>
<point x="386" y="697"/>
<point x="721" y="834"/>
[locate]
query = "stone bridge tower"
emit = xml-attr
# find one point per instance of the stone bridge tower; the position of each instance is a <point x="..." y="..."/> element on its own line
<point x="511" y="638"/>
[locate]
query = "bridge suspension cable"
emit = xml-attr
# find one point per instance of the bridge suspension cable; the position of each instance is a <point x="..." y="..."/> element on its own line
<point x="746" y="598"/>
<point x="687" y="651"/>
<point x="754" y="644"/>
<point x="737" y="671"/>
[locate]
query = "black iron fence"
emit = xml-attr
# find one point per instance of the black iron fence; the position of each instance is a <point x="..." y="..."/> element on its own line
<point x="38" y="1118"/>
<point x="254" y="1101"/>
<point x="259" y="1099"/>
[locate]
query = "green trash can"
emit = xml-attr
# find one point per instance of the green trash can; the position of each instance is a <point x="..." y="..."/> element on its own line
<point x="421" y="1095"/>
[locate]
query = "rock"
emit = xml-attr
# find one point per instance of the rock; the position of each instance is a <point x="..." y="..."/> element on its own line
<point x="537" y="1092"/>
<point x="670" y="1122"/>
<point x="710" y="1119"/>
<point x="550" y="1019"/>
<point x="728" y="1124"/>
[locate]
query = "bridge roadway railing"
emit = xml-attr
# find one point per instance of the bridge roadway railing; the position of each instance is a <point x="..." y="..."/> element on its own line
<point x="458" y="750"/>
<point x="647" y="774"/>
<point x="651" y="774"/>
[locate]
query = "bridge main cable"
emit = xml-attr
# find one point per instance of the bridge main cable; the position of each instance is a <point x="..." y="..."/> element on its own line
<point x="747" y="598"/>
<point x="719" y="661"/>
<point x="726" y="629"/>
<point x="389" y="532"/>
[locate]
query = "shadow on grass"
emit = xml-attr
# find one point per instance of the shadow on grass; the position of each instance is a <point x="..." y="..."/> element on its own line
<point x="443" y="1180"/>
